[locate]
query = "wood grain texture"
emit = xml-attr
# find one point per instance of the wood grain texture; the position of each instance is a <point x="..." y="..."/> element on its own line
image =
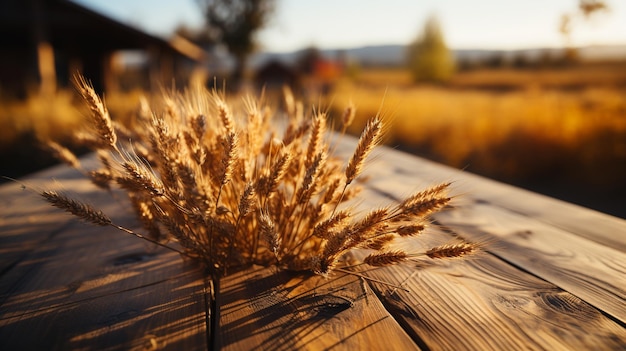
<point x="396" y="173"/>
<point x="485" y="304"/>
<point x="167" y="315"/>
<point x="266" y="309"/>
<point x="591" y="271"/>
<point x="585" y="276"/>
<point x="25" y="222"/>
<point x="553" y="280"/>
<point x="70" y="285"/>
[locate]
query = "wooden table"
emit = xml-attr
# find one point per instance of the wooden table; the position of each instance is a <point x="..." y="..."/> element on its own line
<point x="553" y="277"/>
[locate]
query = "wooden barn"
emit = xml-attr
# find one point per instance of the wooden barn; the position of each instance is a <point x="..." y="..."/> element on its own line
<point x="44" y="42"/>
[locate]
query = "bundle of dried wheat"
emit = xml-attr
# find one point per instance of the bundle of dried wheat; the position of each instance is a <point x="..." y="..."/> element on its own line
<point x="234" y="190"/>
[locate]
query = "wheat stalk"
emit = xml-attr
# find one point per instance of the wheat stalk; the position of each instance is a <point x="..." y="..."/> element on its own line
<point x="105" y="132"/>
<point x="452" y="250"/>
<point x="79" y="209"/>
<point x="348" y="116"/>
<point x="385" y="258"/>
<point x="62" y="153"/>
<point x="232" y="189"/>
<point x="369" y="138"/>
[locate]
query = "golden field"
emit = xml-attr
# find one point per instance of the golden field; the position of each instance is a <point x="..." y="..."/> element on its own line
<point x="558" y="131"/>
<point x="24" y="124"/>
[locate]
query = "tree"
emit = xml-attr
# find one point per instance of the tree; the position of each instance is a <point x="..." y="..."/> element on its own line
<point x="234" y="23"/>
<point x="429" y="58"/>
<point x="587" y="9"/>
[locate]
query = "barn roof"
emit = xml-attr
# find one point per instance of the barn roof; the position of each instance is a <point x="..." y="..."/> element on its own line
<point x="66" y="24"/>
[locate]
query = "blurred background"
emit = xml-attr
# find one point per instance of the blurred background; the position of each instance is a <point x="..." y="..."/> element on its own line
<point x="531" y="93"/>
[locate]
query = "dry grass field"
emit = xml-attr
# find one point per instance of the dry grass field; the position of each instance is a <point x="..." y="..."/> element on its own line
<point x="558" y="131"/>
<point x="25" y="123"/>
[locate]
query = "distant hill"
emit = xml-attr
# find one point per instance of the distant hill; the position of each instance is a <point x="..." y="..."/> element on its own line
<point x="387" y="55"/>
<point x="394" y="55"/>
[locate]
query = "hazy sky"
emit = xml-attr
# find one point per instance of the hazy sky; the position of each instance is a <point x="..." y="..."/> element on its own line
<point x="493" y="24"/>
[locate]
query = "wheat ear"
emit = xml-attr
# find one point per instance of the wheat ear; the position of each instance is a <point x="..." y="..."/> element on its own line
<point x="348" y="116"/>
<point x="385" y="258"/>
<point x="452" y="250"/>
<point x="79" y="209"/>
<point x="62" y="153"/>
<point x="99" y="114"/>
<point x="369" y="138"/>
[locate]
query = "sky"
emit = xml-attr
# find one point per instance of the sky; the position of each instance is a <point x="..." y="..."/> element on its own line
<point x="341" y="24"/>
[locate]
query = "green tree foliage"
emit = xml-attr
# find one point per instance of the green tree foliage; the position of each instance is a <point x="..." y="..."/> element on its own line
<point x="429" y="58"/>
<point x="234" y="23"/>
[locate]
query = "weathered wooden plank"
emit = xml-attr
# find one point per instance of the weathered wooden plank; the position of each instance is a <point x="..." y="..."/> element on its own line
<point x="484" y="303"/>
<point x="451" y="323"/>
<point x="591" y="271"/>
<point x="83" y="249"/>
<point x="107" y="293"/>
<point x="167" y="315"/>
<point x="26" y="220"/>
<point x="81" y="263"/>
<point x="77" y="286"/>
<point x="397" y="173"/>
<point x="65" y="283"/>
<point x="267" y="309"/>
